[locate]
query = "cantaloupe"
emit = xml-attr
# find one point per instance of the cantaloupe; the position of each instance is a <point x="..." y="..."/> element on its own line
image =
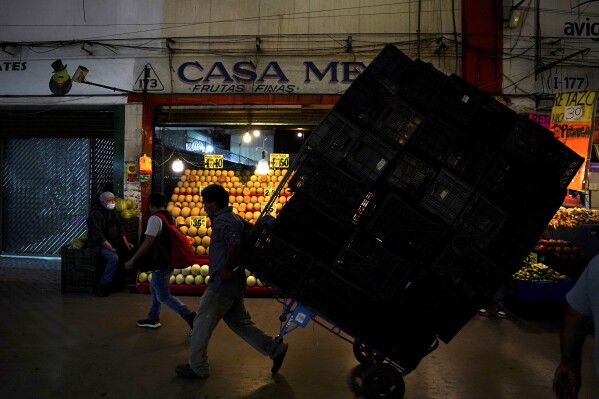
<point x="195" y="269"/>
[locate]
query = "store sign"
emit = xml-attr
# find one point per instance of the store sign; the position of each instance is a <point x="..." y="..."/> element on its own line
<point x="572" y="122"/>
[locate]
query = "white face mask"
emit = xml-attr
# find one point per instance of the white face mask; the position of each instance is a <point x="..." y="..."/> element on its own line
<point x="110" y="206"/>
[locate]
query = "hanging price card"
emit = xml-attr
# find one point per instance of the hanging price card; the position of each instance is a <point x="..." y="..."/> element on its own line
<point x="279" y="160"/>
<point x="197" y="221"/>
<point x="213" y="161"/>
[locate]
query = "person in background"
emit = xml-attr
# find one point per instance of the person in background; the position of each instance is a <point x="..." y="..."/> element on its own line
<point x="223" y="298"/>
<point x="159" y="265"/>
<point x="105" y="237"/>
<point x="582" y="309"/>
<point x="499" y="303"/>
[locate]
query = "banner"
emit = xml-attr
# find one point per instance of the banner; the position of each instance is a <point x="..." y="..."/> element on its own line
<point x="572" y="122"/>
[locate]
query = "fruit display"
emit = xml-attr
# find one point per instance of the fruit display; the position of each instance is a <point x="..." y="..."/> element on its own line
<point x="557" y="249"/>
<point x="248" y="193"/>
<point x="79" y="242"/>
<point x="538" y="272"/>
<point x="571" y="217"/>
<point x="196" y="274"/>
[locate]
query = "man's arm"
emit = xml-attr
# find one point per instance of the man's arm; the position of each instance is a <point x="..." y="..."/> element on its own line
<point x="567" y="379"/>
<point x="230" y="260"/>
<point x="143" y="248"/>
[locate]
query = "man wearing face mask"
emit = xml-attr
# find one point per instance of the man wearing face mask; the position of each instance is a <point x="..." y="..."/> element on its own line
<point x="105" y="237"/>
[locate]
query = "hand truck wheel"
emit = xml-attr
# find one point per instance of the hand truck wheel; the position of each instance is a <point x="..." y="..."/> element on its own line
<point x="383" y="381"/>
<point x="366" y="356"/>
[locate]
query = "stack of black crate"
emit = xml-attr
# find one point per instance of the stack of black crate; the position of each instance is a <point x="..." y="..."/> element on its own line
<point x="414" y="199"/>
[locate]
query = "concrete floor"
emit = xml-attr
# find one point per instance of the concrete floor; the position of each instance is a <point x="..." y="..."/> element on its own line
<point x="71" y="345"/>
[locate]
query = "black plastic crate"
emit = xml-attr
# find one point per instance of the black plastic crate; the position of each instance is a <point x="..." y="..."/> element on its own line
<point x="432" y="305"/>
<point x="422" y="86"/>
<point x="527" y="140"/>
<point x="397" y="123"/>
<point x="329" y="187"/>
<point x="492" y="121"/>
<point x="80" y="270"/>
<point x="446" y="196"/>
<point x="363" y="101"/>
<point x="481" y="220"/>
<point x="338" y="299"/>
<point x="310" y="229"/>
<point x="405" y="230"/>
<point x="436" y="139"/>
<point x="458" y="148"/>
<point x="513" y="243"/>
<point x="365" y="261"/>
<point x="334" y="136"/>
<point x="467" y="270"/>
<point x="522" y="191"/>
<point x="369" y="158"/>
<point x="411" y="175"/>
<point x="459" y="101"/>
<point x="276" y="261"/>
<point x="389" y="66"/>
<point x="559" y="162"/>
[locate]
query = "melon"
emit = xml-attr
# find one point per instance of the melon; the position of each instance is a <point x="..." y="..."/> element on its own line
<point x="199" y="279"/>
<point x="186" y="271"/>
<point x="150" y="277"/>
<point x="190" y="279"/>
<point x="142" y="277"/>
<point x="206" y="241"/>
<point x="180" y="279"/>
<point x="176" y="271"/>
<point x="195" y="269"/>
<point x="171" y="279"/>
<point x="250" y="281"/>
<point x="204" y="270"/>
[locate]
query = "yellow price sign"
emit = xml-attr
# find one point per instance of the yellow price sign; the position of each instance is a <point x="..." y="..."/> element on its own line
<point x="270" y="211"/>
<point x="532" y="258"/>
<point x="213" y="161"/>
<point x="279" y="160"/>
<point x="268" y="191"/>
<point x="197" y="221"/>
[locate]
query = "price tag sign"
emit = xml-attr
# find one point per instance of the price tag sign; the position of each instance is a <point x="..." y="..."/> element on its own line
<point x="271" y="210"/>
<point x="197" y="221"/>
<point x="268" y="191"/>
<point x="213" y="161"/>
<point x="532" y="258"/>
<point x="279" y="160"/>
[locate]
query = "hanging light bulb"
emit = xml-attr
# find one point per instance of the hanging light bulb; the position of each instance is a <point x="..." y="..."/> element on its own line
<point x="263" y="166"/>
<point x="256" y="133"/>
<point x="247" y="137"/>
<point x="177" y="166"/>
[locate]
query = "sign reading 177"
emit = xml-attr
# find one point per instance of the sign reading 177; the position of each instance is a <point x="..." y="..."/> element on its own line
<point x="279" y="160"/>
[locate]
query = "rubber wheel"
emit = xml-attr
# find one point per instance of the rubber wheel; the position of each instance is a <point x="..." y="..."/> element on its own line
<point x="383" y="381"/>
<point x="366" y="356"/>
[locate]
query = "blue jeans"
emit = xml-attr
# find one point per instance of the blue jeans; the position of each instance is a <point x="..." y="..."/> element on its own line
<point x="161" y="294"/>
<point x="112" y="260"/>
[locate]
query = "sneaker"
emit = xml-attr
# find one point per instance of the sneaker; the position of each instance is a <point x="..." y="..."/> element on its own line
<point x="103" y="290"/>
<point x="501" y="314"/>
<point x="189" y="320"/>
<point x="147" y="323"/>
<point x="277" y="361"/>
<point x="185" y="371"/>
<point x="483" y="312"/>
